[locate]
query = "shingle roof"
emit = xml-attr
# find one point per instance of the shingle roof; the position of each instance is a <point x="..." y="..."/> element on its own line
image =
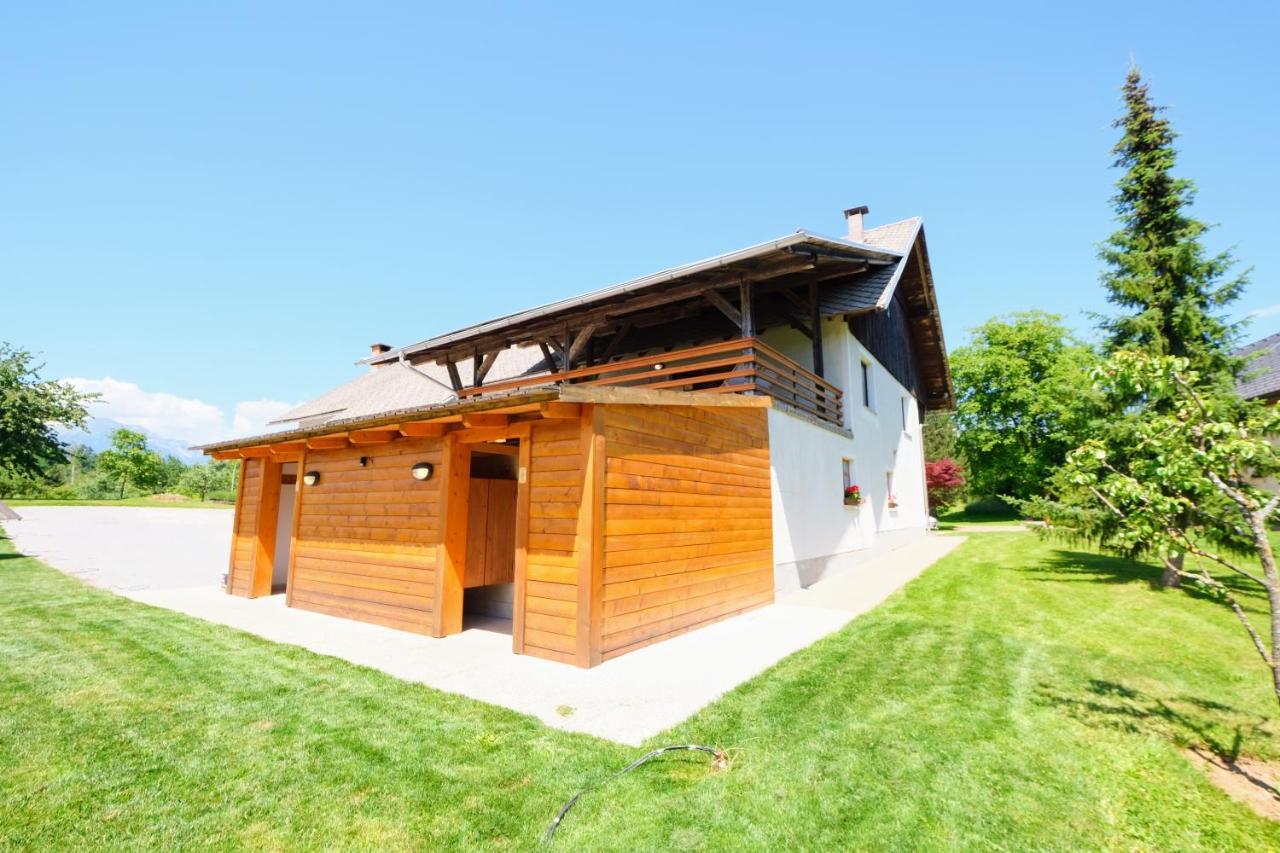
<point x="398" y="386"/>
<point x="1262" y="370"/>
<point x="896" y="236"/>
<point x="873" y="288"/>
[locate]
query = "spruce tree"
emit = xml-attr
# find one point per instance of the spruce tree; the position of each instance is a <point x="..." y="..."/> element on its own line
<point x="1171" y="292"/>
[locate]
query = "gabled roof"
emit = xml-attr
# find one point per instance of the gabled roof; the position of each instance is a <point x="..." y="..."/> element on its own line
<point x="1262" y="369"/>
<point x="412" y="377"/>
<point x="790" y="247"/>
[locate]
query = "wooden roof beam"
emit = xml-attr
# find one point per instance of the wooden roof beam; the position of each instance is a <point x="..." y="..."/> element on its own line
<point x="327" y="442"/>
<point x="373" y="436"/>
<point x="422" y="429"/>
<point x="483" y="366"/>
<point x="551" y="330"/>
<point x="726" y="307"/>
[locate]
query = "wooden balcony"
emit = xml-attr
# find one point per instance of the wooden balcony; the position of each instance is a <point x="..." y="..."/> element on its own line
<point x="741" y="366"/>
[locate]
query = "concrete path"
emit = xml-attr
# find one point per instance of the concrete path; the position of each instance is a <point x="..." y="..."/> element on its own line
<point x="166" y="558"/>
<point x="128" y="549"/>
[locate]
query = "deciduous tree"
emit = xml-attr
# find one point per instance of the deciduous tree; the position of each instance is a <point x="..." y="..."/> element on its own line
<point x="944" y="480"/>
<point x="30" y="408"/>
<point x="130" y="462"/>
<point x="1184" y="482"/>
<point x="1023" y="401"/>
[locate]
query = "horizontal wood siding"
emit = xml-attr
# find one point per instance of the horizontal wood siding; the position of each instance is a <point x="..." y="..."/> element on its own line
<point x="244" y="536"/>
<point x="551" y="571"/>
<point x="368" y="535"/>
<point x="688" y="527"/>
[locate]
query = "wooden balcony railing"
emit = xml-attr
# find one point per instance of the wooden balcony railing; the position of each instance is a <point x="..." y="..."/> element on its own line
<point x="742" y="366"/>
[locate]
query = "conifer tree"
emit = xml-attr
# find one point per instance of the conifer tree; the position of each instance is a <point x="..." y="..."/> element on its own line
<point x="1171" y="292"/>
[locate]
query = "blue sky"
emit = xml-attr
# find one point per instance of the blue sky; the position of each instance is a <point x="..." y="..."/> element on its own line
<point x="222" y="206"/>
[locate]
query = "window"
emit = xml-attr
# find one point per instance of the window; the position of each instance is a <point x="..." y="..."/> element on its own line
<point x="890" y="498"/>
<point x="868" y="387"/>
<point x="847" y="465"/>
<point x="906" y="413"/>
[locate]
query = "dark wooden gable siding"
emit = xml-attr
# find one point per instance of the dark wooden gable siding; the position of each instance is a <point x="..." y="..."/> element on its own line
<point x="887" y="335"/>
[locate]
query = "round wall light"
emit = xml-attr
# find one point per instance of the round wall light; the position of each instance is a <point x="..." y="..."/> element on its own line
<point x="311" y="478"/>
<point x="422" y="471"/>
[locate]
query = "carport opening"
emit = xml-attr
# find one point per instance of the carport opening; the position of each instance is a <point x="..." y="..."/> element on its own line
<point x="284" y="527"/>
<point x="488" y="597"/>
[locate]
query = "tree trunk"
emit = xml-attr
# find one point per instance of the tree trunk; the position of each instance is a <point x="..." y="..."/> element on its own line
<point x="122" y="488"/>
<point x="1171" y="577"/>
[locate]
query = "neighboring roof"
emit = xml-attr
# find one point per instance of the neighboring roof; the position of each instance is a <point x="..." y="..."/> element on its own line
<point x="792" y="244"/>
<point x="897" y="236"/>
<point x="399" y="386"/>
<point x="1262" y="368"/>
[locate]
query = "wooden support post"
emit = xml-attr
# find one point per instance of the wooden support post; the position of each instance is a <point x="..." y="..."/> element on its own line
<point x="748" y="320"/>
<point x="590" y="538"/>
<point x="299" y="488"/>
<point x="235" y="524"/>
<point x="455" y="495"/>
<point x="815" y="319"/>
<point x="521" y="585"/>
<point x="265" y="539"/>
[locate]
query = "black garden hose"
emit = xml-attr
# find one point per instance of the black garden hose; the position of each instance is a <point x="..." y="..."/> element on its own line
<point x="720" y="760"/>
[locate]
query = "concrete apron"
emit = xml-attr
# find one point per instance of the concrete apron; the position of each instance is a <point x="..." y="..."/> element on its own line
<point x="627" y="700"/>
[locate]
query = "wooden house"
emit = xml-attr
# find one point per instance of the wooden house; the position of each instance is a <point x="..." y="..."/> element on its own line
<point x="614" y="469"/>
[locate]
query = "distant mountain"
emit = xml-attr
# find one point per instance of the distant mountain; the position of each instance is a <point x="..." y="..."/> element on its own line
<point x="98" y="437"/>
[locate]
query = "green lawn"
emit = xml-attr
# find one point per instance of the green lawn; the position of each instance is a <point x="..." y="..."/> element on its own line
<point x="1017" y="696"/>
<point x="147" y="502"/>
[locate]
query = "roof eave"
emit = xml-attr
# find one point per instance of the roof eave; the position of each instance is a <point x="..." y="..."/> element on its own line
<point x="439" y="410"/>
<point x="787" y="243"/>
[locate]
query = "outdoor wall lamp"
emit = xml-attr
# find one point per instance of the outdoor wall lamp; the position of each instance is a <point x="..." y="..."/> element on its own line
<point x="422" y="471"/>
<point x="311" y="478"/>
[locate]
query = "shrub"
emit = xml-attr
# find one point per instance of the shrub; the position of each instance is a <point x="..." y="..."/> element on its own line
<point x="989" y="506"/>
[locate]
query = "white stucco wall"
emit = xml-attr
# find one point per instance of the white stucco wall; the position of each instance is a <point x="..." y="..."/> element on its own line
<point x="815" y="534"/>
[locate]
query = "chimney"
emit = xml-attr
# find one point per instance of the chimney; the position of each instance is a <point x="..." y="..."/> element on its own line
<point x="379" y="349"/>
<point x="853" y="216"/>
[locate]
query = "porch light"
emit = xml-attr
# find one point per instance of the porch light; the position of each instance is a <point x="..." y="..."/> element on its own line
<point x="311" y="478"/>
<point x="422" y="471"/>
<point x="658" y="365"/>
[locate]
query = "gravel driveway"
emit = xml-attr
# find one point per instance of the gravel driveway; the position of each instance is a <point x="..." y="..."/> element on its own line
<point x="128" y="549"/>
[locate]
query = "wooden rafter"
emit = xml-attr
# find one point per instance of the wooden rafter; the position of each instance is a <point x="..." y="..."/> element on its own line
<point x="618" y="337"/>
<point x="454" y="379"/>
<point x="725" y="307"/>
<point x="815" y="320"/>
<point x="483" y="366"/>
<point x="546" y="354"/>
<point x="580" y="342"/>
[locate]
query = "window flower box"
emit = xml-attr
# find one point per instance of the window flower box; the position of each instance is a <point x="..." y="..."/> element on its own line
<point x="852" y="496"/>
<point x="892" y="502"/>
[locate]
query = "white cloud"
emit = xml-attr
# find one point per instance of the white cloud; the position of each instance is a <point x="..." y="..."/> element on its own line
<point x="171" y="416"/>
<point x="251" y="416"/>
<point x="1265" y="311"/>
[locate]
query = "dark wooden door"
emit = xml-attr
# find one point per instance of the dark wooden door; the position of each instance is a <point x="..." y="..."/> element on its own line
<point x="491" y="533"/>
